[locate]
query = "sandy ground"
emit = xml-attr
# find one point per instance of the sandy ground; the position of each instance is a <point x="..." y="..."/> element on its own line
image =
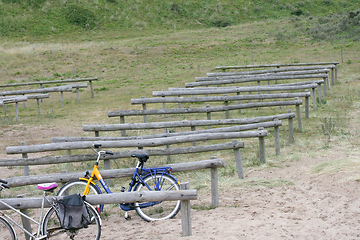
<point x="316" y="206"/>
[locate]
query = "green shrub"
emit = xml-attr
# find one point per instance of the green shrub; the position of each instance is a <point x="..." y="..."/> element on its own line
<point x="80" y="16"/>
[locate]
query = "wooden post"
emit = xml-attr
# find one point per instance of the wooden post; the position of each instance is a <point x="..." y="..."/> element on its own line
<point x="16" y="111"/>
<point x="193" y="128"/>
<point x="25" y="221"/>
<point x="239" y="102"/>
<point x="214" y="186"/>
<point x="122" y="121"/>
<point x="325" y="86"/>
<point x="307" y="106"/>
<point x="107" y="166"/>
<point x="144" y="108"/>
<point x="62" y="98"/>
<point x="277" y="138"/>
<point x="319" y="92"/>
<point x="164" y="107"/>
<point x="333" y="76"/>
<point x="298" y="115"/>
<point x="208" y="114"/>
<point x="78" y="94"/>
<point x="168" y="157"/>
<point x="336" y="70"/>
<point x="38" y="106"/>
<point x="291" y="129"/>
<point x="179" y="104"/>
<point x="250" y="94"/>
<point x="24" y="155"/>
<point x="238" y="161"/>
<point x="227" y="113"/>
<point x="314" y="98"/>
<point x="91" y="88"/>
<point x="262" y="147"/>
<point x="97" y="134"/>
<point x="185" y="212"/>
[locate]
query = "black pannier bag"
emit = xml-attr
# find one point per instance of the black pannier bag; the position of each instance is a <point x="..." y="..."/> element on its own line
<point x="73" y="212"/>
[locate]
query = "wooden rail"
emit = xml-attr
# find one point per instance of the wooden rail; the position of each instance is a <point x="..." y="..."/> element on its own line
<point x="276" y="123"/>
<point x="241" y="75"/>
<point x="334" y="70"/>
<point x="116" y="198"/>
<point x="41" y="83"/>
<point x="25" y="149"/>
<point x="238" y="90"/>
<point x="16" y="99"/>
<point x="208" y="110"/>
<point x="226" y="99"/>
<point x="258" y="79"/>
<point x="273" y="70"/>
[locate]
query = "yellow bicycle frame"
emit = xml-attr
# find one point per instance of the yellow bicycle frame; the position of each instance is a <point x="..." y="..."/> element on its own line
<point x="95" y="173"/>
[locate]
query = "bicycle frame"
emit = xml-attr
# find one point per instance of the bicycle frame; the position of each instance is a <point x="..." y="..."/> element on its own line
<point x="137" y="177"/>
<point x="38" y="234"/>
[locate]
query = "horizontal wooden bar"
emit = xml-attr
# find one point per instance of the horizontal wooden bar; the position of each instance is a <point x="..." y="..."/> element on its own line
<point x="50" y="82"/>
<point x="273" y="70"/>
<point x="114" y="198"/>
<point x="202" y="110"/>
<point x="132" y="143"/>
<point x="115" y="173"/>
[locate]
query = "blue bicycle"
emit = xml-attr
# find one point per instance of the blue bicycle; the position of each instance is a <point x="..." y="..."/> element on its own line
<point x="143" y="179"/>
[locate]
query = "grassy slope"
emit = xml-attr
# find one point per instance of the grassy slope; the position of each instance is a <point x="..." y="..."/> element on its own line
<point x="131" y="67"/>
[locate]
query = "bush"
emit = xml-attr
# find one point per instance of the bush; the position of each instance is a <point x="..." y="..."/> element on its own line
<point x="80" y="16"/>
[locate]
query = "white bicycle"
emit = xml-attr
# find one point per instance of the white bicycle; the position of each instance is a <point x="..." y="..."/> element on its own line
<point x="49" y="225"/>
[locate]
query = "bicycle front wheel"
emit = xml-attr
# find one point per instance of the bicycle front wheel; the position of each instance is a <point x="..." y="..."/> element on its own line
<point x="52" y="228"/>
<point x="78" y="186"/>
<point x="6" y="230"/>
<point x="158" y="210"/>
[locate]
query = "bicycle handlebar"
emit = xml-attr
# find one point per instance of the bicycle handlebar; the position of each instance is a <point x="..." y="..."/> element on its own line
<point x="3" y="181"/>
<point x="4" y="184"/>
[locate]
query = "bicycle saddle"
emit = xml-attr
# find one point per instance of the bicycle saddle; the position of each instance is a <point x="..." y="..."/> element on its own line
<point x="143" y="157"/>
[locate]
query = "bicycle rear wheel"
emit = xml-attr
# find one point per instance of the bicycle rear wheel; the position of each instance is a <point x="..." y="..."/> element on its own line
<point x="6" y="230"/>
<point x="158" y="210"/>
<point x="78" y="186"/>
<point x="52" y="228"/>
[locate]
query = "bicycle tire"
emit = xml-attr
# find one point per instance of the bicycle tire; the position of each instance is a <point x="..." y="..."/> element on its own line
<point x="161" y="210"/>
<point x="52" y="228"/>
<point x="78" y="186"/>
<point x="6" y="230"/>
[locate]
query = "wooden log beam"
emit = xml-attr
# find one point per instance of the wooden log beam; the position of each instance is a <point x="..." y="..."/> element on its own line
<point x="40" y="90"/>
<point x="273" y="70"/>
<point x="218" y="98"/>
<point x="270" y="74"/>
<point x="226" y="90"/>
<point x="132" y="143"/>
<point x="201" y="110"/>
<point x="115" y="173"/>
<point x="50" y="82"/>
<point x="276" y="65"/>
<point x="114" y="198"/>
<point x="253" y="79"/>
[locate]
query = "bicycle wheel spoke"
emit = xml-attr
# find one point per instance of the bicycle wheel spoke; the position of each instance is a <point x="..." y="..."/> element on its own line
<point x="158" y="210"/>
